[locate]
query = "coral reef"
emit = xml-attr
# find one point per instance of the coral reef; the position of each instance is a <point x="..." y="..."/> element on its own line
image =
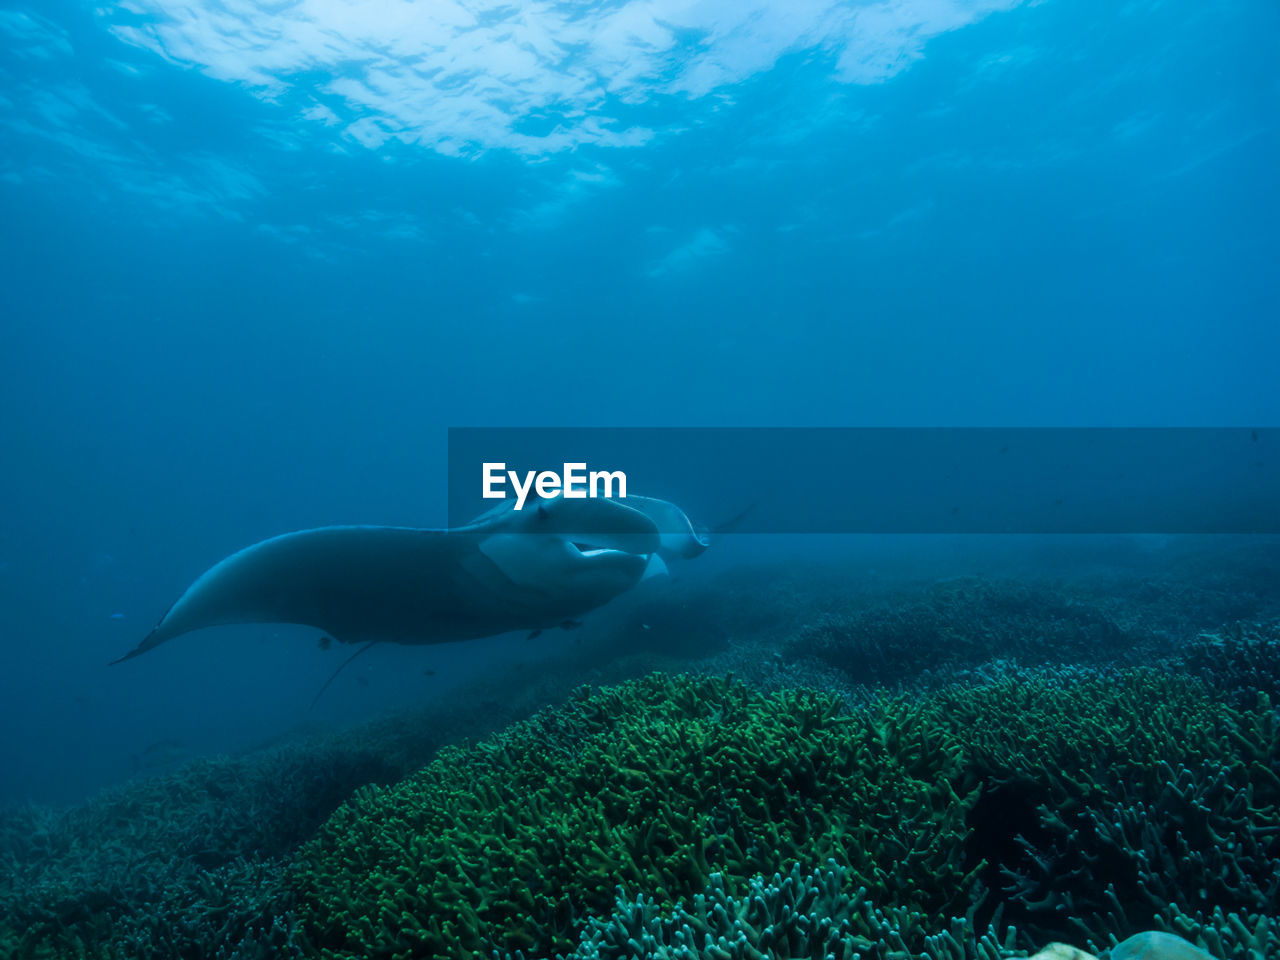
<point x="189" y="864"/>
<point x="959" y="623"/>
<point x="806" y="916"/>
<point x="1229" y="936"/>
<point x="1076" y="805"/>
<point x="657" y="783"/>
<point x="1121" y="613"/>
<point x="1077" y="760"/>
<point x="1241" y="659"/>
<point x="1110" y="800"/>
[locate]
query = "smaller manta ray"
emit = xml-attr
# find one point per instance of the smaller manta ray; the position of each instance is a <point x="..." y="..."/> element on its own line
<point x="531" y="569"/>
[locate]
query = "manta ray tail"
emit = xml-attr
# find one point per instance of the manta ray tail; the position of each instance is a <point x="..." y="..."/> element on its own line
<point x="152" y="639"/>
<point x="333" y="676"/>
<point x="136" y="651"/>
<point x="730" y="525"/>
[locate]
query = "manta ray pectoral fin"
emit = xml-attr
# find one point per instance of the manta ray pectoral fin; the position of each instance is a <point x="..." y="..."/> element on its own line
<point x="656" y="567"/>
<point x="677" y="536"/>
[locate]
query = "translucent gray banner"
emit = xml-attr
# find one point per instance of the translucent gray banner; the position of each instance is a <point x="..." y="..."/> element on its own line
<point x="893" y="480"/>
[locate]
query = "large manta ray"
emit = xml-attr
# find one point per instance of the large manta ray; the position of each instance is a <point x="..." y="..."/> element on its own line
<point x="509" y="570"/>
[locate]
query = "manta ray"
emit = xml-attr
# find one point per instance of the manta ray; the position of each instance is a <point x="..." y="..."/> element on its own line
<point x="510" y="569"/>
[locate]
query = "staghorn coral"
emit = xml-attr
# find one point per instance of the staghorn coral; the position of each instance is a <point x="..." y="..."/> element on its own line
<point x="1080" y="805"/>
<point x="1084" y="806"/>
<point x="188" y="864"/>
<point x="658" y="784"/>
<point x="1229" y="936"/>
<point x="1241" y="659"/>
<point x="1110" y="801"/>
<point x="959" y="623"/>
<point x="192" y="863"/>
<point x="806" y="916"/>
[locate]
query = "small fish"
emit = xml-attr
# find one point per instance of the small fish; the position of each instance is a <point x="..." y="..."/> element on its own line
<point x="116" y="616"/>
<point x="362" y="681"/>
<point x="326" y="641"/>
<point x="428" y="672"/>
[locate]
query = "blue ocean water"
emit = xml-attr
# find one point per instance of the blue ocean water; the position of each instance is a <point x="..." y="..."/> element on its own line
<point x="258" y="257"/>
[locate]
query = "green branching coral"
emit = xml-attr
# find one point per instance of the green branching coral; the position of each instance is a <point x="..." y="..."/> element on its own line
<point x="810" y="916"/>
<point x="191" y="864"/>
<point x="1223" y="935"/>
<point x="655" y="784"/>
<point x="1110" y="801"/>
<point x="1082" y="806"/>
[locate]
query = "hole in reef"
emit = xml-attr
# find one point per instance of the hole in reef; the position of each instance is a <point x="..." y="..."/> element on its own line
<point x="1003" y="812"/>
